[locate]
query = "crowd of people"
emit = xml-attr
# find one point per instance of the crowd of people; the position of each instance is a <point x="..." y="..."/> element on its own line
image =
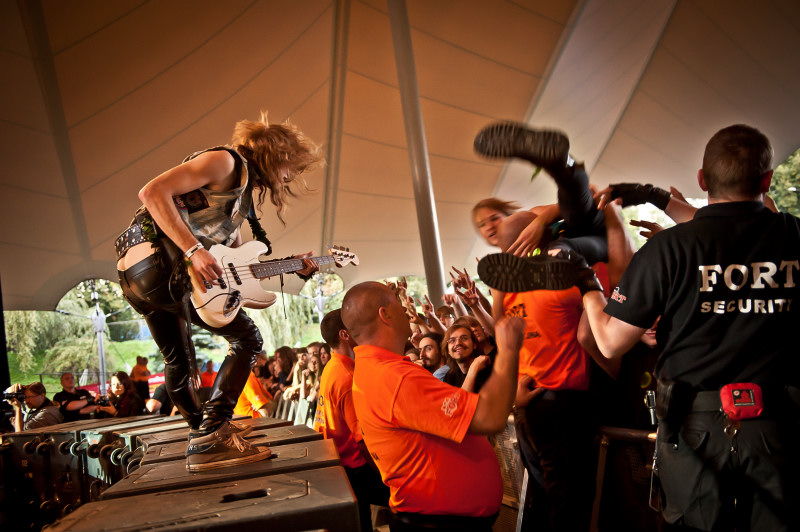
<point x="125" y="397"/>
<point x="576" y="329"/>
<point x="701" y="314"/>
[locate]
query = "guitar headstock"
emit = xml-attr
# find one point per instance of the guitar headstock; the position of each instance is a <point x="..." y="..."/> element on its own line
<point x="343" y="256"/>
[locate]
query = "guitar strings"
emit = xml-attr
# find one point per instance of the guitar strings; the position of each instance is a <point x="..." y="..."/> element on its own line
<point x="246" y="272"/>
<point x="279" y="269"/>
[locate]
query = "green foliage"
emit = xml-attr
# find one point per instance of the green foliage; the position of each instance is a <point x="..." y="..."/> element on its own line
<point x="785" y="187"/>
<point x="284" y="322"/>
<point x="31" y="333"/>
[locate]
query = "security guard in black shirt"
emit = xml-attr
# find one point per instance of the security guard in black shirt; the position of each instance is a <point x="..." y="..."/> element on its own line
<point x="726" y="287"/>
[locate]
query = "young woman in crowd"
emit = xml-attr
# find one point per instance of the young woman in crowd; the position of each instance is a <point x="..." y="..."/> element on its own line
<point x="122" y="398"/>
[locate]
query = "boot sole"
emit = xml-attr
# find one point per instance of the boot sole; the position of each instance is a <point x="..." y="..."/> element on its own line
<point x="543" y="148"/>
<point x="508" y="273"/>
<point x="239" y="460"/>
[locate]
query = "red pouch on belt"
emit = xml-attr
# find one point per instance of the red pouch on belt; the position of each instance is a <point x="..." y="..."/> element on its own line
<point x="742" y="400"/>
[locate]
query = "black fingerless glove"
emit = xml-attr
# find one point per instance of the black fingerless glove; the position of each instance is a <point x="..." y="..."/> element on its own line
<point x="585" y="278"/>
<point x="636" y="194"/>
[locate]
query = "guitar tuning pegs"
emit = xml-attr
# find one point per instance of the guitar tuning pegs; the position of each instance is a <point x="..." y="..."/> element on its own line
<point x="347" y="249"/>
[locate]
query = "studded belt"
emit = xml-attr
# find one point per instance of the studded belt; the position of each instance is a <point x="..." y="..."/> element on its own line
<point x="130" y="237"/>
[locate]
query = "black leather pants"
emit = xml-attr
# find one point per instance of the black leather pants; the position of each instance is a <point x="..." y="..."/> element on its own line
<point x="585" y="230"/>
<point x="146" y="287"/>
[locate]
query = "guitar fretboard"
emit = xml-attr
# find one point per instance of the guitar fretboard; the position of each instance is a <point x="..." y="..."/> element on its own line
<point x="269" y="269"/>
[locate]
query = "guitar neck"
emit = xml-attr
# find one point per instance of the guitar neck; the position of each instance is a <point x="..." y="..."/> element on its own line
<point x="263" y="270"/>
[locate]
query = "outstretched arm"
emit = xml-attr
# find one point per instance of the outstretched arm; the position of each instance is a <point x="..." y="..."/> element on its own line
<point x="470" y="297"/>
<point x="614" y="337"/>
<point x="675" y="206"/>
<point x="497" y="394"/>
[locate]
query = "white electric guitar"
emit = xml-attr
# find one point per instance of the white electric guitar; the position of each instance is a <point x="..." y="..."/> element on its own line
<point x="241" y="272"/>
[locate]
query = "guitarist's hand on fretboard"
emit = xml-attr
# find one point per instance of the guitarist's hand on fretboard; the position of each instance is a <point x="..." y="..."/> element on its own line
<point x="311" y="265"/>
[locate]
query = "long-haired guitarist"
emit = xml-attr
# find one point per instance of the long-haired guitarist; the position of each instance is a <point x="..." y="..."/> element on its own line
<point x="185" y="211"/>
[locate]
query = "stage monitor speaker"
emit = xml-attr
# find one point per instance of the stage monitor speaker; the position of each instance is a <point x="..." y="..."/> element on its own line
<point x="98" y="443"/>
<point x="173" y="475"/>
<point x="316" y="499"/>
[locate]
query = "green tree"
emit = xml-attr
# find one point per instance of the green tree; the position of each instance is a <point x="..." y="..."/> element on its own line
<point x="785" y="187"/>
<point x="284" y="322"/>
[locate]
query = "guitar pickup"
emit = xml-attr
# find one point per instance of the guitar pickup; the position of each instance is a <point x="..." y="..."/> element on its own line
<point x="234" y="273"/>
<point x="222" y="283"/>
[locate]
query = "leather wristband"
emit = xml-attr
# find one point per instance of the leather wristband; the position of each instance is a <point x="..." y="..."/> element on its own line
<point x="636" y="194"/>
<point x="586" y="281"/>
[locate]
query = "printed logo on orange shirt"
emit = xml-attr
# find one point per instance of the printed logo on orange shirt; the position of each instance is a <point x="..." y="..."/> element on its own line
<point x="450" y="404"/>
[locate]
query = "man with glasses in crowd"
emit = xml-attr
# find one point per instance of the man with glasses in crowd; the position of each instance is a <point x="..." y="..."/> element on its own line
<point x="41" y="412"/>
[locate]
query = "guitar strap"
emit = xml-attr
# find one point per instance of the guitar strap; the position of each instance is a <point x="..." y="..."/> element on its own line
<point x="255" y="225"/>
<point x="261" y="235"/>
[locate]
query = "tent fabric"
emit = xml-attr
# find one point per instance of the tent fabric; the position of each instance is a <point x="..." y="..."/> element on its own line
<point x="100" y="97"/>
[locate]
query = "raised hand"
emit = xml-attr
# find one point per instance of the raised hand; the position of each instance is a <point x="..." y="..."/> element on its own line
<point x="650" y="228"/>
<point x="634" y="194"/>
<point x="461" y="279"/>
<point x="402" y="285"/>
<point x="470" y="295"/>
<point x="393" y="287"/>
<point x="449" y="299"/>
<point x="427" y="306"/>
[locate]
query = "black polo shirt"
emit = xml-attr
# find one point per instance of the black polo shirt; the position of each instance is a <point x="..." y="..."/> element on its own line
<point x="725" y="286"/>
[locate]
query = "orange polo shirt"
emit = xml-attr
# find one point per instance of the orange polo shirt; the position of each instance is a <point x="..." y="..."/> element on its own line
<point x="415" y="427"/>
<point x="336" y="417"/>
<point x="551" y="354"/>
<point x="252" y="398"/>
<point x="207" y="378"/>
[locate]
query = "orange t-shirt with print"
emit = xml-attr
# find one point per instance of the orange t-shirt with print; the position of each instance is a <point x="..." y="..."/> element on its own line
<point x="415" y="428"/>
<point x="551" y="354"/>
<point x="252" y="398"/>
<point x="336" y="417"/>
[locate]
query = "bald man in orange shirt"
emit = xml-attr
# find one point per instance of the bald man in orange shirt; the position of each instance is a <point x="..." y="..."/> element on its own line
<point x="425" y="436"/>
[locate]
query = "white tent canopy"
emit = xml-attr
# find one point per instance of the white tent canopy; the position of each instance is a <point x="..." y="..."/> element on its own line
<point x="100" y="97"/>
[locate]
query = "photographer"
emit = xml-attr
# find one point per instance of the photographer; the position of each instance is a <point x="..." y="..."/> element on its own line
<point x="123" y="401"/>
<point x="41" y="412"/>
<point x="74" y="403"/>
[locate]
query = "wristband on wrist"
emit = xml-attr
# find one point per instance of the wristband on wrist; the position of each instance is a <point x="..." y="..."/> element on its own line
<point x="192" y="250"/>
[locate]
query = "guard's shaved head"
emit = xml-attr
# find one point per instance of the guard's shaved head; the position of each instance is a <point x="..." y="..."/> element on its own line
<point x="511" y="227"/>
<point x="360" y="309"/>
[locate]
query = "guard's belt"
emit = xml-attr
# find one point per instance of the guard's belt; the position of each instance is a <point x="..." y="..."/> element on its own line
<point x="711" y="402"/>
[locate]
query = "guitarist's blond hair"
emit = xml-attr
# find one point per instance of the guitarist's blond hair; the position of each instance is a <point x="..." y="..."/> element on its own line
<point x="268" y="146"/>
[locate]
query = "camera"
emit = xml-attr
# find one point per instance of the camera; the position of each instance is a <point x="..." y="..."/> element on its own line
<point x="102" y="400"/>
<point x="18" y="395"/>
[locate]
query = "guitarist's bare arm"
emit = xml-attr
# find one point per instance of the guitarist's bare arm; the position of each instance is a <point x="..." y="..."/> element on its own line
<point x="213" y="170"/>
